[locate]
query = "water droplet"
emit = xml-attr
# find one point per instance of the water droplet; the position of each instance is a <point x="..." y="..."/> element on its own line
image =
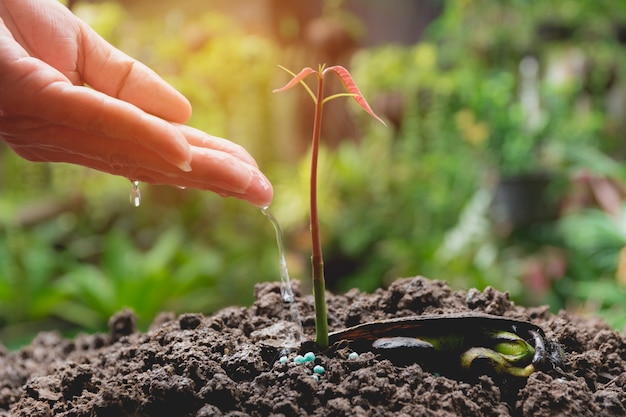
<point x="135" y="194"/>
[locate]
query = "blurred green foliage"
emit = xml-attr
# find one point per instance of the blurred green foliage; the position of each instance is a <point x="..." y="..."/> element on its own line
<point x="415" y="198"/>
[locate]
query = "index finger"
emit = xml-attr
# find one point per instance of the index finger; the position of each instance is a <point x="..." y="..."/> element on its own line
<point x="109" y="70"/>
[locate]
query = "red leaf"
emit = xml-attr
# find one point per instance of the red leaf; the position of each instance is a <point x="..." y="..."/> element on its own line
<point x="350" y="85"/>
<point x="296" y="79"/>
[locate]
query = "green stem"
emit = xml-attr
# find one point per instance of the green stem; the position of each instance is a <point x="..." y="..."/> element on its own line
<point x="317" y="260"/>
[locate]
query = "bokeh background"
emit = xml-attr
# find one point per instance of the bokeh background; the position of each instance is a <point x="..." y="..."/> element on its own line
<point x="502" y="164"/>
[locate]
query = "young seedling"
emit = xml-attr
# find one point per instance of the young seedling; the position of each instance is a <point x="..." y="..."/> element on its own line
<point x="317" y="261"/>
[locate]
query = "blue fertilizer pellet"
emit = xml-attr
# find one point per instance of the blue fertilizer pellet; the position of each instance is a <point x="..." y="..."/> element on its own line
<point x="318" y="369"/>
<point x="309" y="357"/>
<point x="353" y="355"/>
<point x="298" y="360"/>
<point x="283" y="360"/>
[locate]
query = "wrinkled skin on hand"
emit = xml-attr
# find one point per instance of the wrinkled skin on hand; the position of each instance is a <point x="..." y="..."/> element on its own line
<point x="66" y="95"/>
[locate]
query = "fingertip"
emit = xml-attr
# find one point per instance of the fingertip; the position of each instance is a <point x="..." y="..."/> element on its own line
<point x="170" y="105"/>
<point x="180" y="152"/>
<point x="260" y="192"/>
<point x="183" y="110"/>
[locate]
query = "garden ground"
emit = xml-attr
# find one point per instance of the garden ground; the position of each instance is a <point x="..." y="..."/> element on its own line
<point x="225" y="365"/>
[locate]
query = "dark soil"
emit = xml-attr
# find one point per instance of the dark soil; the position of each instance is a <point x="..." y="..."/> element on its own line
<point x="224" y="365"/>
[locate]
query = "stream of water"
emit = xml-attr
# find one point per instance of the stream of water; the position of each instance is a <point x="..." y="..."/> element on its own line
<point x="294" y="334"/>
<point x="285" y="282"/>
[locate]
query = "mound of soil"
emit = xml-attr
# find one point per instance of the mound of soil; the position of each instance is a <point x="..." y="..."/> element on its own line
<point x="225" y="365"/>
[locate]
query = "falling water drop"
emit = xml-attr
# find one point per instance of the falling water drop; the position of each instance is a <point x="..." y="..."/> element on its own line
<point x="135" y="194"/>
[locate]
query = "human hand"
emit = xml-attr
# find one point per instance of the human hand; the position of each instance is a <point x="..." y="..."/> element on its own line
<point x="66" y="95"/>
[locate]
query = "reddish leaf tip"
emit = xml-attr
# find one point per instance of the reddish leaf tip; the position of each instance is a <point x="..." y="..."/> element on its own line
<point x="297" y="78"/>
<point x="350" y="86"/>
